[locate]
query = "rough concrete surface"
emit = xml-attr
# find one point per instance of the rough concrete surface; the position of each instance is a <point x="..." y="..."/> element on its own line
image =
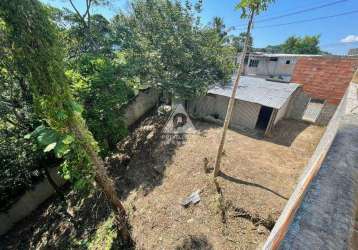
<point x="326" y="216"/>
<point x="29" y="202"/>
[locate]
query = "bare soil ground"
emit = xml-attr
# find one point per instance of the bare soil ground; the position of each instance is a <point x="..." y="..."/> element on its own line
<point x="257" y="178"/>
<point x="258" y="175"/>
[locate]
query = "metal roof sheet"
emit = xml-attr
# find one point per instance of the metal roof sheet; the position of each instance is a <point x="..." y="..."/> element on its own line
<point x="258" y="90"/>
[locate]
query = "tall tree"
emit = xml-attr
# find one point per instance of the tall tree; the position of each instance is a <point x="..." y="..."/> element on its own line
<point x="169" y="49"/>
<point x="249" y="9"/>
<point x="304" y="45"/>
<point x="87" y="24"/>
<point x="219" y="26"/>
<point x="238" y="42"/>
<point x="37" y="54"/>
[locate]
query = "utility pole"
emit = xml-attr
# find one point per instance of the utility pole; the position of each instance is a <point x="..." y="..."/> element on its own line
<point x="240" y="69"/>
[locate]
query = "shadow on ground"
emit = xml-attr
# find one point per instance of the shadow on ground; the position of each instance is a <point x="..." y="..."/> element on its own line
<point x="139" y="165"/>
<point x="241" y="182"/>
<point x="284" y="133"/>
<point x="197" y="242"/>
<point x="143" y="156"/>
<point x="57" y="224"/>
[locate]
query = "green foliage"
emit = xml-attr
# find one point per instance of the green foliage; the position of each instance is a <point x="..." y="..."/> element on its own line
<point x="238" y="42"/>
<point x="105" y="235"/>
<point x="97" y="84"/>
<point x="253" y="5"/>
<point x="219" y="26"/>
<point x="77" y="39"/>
<point x="21" y="161"/>
<point x="19" y="164"/>
<point x="304" y="45"/>
<point x="167" y="48"/>
<point x="38" y="56"/>
<point x="296" y="45"/>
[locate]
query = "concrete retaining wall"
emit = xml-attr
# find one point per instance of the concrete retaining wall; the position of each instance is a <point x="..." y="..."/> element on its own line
<point x="29" y="202"/>
<point x="142" y="103"/>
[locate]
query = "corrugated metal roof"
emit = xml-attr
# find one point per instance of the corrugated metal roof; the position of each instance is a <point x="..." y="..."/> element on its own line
<point x="264" y="54"/>
<point x="284" y="55"/>
<point x="258" y="90"/>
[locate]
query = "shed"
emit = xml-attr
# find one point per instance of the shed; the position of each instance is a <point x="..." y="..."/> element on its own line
<point x="260" y="103"/>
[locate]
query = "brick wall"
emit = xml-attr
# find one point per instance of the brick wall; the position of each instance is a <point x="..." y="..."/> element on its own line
<point x="325" y="77"/>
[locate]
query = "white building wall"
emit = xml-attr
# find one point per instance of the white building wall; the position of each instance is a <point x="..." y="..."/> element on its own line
<point x="245" y="114"/>
<point x="282" y="112"/>
<point x="272" y="68"/>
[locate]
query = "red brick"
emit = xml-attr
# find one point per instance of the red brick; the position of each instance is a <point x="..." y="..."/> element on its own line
<point x="324" y="77"/>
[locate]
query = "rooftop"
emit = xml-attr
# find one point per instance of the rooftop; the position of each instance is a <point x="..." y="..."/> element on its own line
<point x="263" y="54"/>
<point x="258" y="90"/>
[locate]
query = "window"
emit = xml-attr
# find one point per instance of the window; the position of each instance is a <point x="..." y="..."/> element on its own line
<point x="254" y="63"/>
<point x="288" y="61"/>
<point x="273" y="59"/>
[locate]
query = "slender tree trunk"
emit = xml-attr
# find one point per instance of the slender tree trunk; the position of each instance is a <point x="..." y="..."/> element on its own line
<point x="106" y="184"/>
<point x="233" y="94"/>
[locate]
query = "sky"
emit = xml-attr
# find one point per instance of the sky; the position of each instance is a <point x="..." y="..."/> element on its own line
<point x="338" y="34"/>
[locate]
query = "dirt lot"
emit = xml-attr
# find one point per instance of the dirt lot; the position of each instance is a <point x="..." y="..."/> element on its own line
<point x="257" y="177"/>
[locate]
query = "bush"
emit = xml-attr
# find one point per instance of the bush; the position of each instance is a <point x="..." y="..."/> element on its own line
<point x="19" y="166"/>
<point x="97" y="84"/>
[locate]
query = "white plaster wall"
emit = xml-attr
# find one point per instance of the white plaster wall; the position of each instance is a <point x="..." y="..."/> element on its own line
<point x="282" y="112"/>
<point x="267" y="67"/>
<point x="245" y="114"/>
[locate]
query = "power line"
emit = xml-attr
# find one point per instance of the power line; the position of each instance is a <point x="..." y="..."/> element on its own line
<point x="301" y="11"/>
<point x="306" y="20"/>
<point x="267" y="19"/>
<point x="295" y="8"/>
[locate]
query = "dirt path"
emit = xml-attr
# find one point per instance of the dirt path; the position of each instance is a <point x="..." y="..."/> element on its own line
<point x="258" y="177"/>
<point x="152" y="178"/>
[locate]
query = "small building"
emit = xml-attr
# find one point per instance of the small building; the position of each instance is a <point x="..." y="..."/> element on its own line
<point x="279" y="66"/>
<point x="353" y="52"/>
<point x="260" y="103"/>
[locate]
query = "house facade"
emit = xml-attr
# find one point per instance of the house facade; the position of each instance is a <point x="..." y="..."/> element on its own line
<point x="278" y="66"/>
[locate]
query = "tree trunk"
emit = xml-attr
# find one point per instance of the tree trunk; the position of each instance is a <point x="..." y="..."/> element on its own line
<point x="233" y="94"/>
<point x="105" y="183"/>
